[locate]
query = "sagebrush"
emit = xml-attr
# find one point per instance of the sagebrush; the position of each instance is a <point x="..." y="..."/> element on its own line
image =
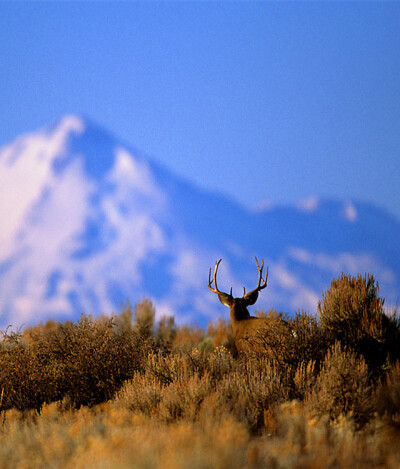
<point x="130" y="391"/>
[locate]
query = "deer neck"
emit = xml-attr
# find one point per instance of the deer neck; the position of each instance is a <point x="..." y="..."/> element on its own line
<point x="238" y="314"/>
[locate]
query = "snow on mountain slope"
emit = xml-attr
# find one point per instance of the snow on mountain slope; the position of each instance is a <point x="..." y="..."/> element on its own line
<point x="87" y="223"/>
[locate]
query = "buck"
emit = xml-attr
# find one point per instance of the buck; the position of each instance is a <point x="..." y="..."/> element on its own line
<point x="249" y="332"/>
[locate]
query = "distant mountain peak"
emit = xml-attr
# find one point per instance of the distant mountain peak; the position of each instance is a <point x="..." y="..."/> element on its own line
<point x="87" y="223"/>
<point x="70" y="123"/>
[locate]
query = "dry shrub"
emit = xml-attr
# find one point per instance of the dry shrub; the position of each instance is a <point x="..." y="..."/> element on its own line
<point x="352" y="308"/>
<point x="307" y="340"/>
<point x="388" y="393"/>
<point x="168" y="368"/>
<point x="87" y="361"/>
<point x="108" y="436"/>
<point x="253" y="387"/>
<point x="165" y="333"/>
<point x="304" y="379"/>
<point x="27" y="375"/>
<point x="181" y="400"/>
<point x="169" y="398"/>
<point x="352" y="312"/>
<point x="174" y="386"/>
<point x="142" y="393"/>
<point x="221" y="333"/>
<point x="145" y="314"/>
<point x="180" y="366"/>
<point x="343" y="386"/>
<point x="273" y="341"/>
<point x="182" y="376"/>
<point x="93" y="360"/>
<point x="306" y="441"/>
<point x="197" y="385"/>
<point x="187" y="338"/>
<point x="141" y="334"/>
<point x="307" y="350"/>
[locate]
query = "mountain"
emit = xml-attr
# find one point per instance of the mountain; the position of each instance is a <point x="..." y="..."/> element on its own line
<point x="88" y="223"/>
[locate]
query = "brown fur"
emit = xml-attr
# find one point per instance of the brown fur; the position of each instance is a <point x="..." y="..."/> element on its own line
<point x="249" y="331"/>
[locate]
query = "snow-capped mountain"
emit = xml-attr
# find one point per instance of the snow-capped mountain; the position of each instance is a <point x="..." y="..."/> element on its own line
<point x="87" y="223"/>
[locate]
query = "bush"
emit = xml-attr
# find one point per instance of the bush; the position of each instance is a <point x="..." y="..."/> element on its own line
<point x="220" y="332"/>
<point x="352" y="312"/>
<point x="273" y="341"/>
<point x="388" y="393"/>
<point x="144" y="320"/>
<point x="180" y="373"/>
<point x="27" y="376"/>
<point x="87" y="362"/>
<point x="166" y="333"/>
<point x="93" y="360"/>
<point x="251" y="391"/>
<point x="342" y="387"/>
<point x="307" y="340"/>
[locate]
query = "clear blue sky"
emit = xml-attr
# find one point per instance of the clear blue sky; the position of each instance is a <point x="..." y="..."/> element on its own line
<point x="276" y="101"/>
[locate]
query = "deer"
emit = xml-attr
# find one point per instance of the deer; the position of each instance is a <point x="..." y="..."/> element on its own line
<point x="250" y="332"/>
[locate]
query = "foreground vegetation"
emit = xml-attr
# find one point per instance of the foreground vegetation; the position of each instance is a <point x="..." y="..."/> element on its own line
<point x="126" y="392"/>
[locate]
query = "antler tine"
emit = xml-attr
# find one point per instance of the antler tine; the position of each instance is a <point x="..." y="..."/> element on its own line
<point x="259" y="270"/>
<point x="260" y="279"/>
<point x="214" y="280"/>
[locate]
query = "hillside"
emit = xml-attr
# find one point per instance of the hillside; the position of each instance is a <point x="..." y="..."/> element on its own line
<point x="88" y="222"/>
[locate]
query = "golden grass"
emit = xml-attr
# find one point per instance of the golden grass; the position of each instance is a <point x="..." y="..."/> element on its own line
<point x="111" y="436"/>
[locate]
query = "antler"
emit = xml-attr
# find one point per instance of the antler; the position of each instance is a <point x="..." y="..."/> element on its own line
<point x="214" y="280"/>
<point x="262" y="283"/>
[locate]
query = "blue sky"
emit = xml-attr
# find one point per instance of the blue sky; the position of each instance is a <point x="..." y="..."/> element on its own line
<point x="262" y="101"/>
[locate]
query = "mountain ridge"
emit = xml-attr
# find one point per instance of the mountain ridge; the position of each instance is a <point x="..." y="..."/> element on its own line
<point x="92" y="222"/>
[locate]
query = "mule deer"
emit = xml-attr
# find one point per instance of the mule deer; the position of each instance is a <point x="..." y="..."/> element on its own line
<point x="249" y="331"/>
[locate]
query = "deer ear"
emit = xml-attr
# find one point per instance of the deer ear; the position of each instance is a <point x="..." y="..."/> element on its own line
<point x="225" y="299"/>
<point x="251" y="298"/>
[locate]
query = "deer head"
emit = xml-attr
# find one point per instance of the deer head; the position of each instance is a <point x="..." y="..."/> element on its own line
<point x="252" y="334"/>
<point x="244" y="326"/>
<point x="238" y="306"/>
